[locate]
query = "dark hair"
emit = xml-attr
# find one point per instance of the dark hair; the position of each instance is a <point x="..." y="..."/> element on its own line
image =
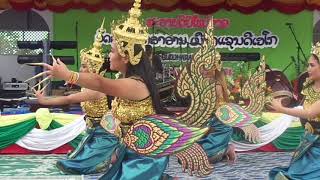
<point x="105" y="66"/>
<point x="316" y="57"/>
<point x="148" y="49"/>
<point x="143" y="70"/>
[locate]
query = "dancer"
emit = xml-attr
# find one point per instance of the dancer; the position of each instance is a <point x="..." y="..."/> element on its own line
<point x="216" y="142"/>
<point x="305" y="163"/>
<point x="136" y="97"/>
<point x="91" y="155"/>
<point x="142" y="131"/>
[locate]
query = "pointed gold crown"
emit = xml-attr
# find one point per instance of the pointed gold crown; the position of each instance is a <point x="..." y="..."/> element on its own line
<point x="130" y="33"/>
<point x="315" y="49"/>
<point x="94" y="58"/>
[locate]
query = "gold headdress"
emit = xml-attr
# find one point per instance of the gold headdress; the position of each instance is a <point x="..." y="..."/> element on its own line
<point x="130" y="34"/>
<point x="316" y="50"/>
<point x="94" y="58"/>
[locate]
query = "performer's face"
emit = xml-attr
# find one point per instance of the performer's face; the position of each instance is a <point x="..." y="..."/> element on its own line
<point x="84" y="68"/>
<point x="117" y="62"/>
<point x="314" y="69"/>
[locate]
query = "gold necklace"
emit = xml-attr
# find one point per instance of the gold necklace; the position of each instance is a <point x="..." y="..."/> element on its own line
<point x="312" y="95"/>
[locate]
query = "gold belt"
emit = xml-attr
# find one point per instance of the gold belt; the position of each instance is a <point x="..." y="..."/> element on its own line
<point x="124" y="128"/>
<point x="309" y="128"/>
<point x="92" y="121"/>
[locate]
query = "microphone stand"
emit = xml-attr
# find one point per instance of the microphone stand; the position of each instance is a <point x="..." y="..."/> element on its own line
<point x="292" y="61"/>
<point x="188" y="51"/>
<point x="153" y="46"/>
<point x="297" y="61"/>
<point x="77" y="53"/>
<point x="180" y="49"/>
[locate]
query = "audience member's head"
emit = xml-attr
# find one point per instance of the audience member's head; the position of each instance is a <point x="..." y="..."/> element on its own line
<point x="148" y="50"/>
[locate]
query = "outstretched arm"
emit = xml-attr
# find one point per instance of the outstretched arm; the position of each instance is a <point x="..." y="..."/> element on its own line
<point x="85" y="95"/>
<point x="312" y="112"/>
<point x="124" y="88"/>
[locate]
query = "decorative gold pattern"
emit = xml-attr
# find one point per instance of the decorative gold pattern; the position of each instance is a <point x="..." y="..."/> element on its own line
<point x="308" y="127"/>
<point x="315" y="49"/>
<point x="311" y="96"/>
<point x="254" y="89"/>
<point x="157" y="135"/>
<point x="126" y="112"/>
<point x="195" y="160"/>
<point x="95" y="109"/>
<point x="192" y="83"/>
<point x="94" y="58"/>
<point x="129" y="111"/>
<point x="130" y="33"/>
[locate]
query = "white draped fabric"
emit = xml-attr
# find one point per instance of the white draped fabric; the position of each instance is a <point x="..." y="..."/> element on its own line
<point x="43" y="140"/>
<point x="268" y="132"/>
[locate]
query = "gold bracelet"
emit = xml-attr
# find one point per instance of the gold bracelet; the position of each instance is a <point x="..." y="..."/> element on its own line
<point x="74" y="77"/>
<point x="71" y="79"/>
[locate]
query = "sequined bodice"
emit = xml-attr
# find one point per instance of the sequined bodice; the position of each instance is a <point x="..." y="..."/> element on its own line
<point x="311" y="96"/>
<point x="96" y="108"/>
<point x="220" y="99"/>
<point x="129" y="111"/>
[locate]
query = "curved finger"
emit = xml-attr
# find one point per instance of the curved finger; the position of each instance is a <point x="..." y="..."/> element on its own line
<point x="60" y="62"/>
<point x="34" y="90"/>
<point x="258" y="137"/>
<point x="32" y="94"/>
<point x="49" y="73"/>
<point x="53" y="58"/>
<point x="44" y="87"/>
<point x="254" y="138"/>
<point x="258" y="140"/>
<point x="35" y="64"/>
<point x="38" y="86"/>
<point x="42" y="81"/>
<point x="36" y="76"/>
<point x="54" y="61"/>
<point x="247" y="136"/>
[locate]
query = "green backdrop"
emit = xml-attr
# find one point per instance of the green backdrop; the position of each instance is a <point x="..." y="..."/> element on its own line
<point x="278" y="57"/>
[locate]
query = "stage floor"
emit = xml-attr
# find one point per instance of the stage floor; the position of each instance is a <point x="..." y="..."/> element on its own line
<point x="248" y="166"/>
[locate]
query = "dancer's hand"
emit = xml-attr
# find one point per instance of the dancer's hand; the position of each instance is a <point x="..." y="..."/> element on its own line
<point x="39" y="95"/>
<point x="276" y="105"/>
<point x="252" y="133"/>
<point x="58" y="69"/>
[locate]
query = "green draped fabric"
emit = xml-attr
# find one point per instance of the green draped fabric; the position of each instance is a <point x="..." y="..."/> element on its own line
<point x="12" y="133"/>
<point x="289" y="140"/>
<point x="74" y="143"/>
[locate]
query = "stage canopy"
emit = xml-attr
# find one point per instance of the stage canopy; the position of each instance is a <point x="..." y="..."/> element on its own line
<point x="198" y="6"/>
